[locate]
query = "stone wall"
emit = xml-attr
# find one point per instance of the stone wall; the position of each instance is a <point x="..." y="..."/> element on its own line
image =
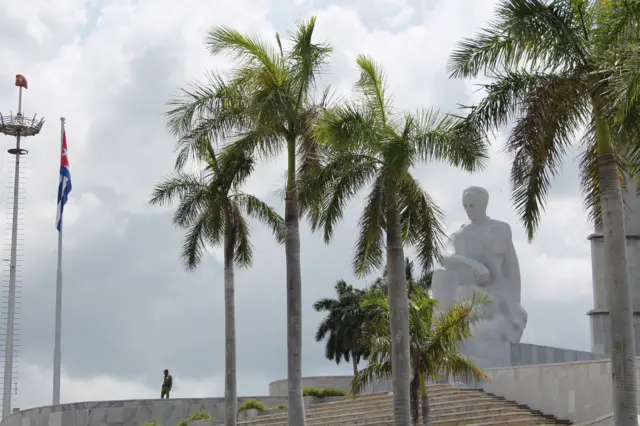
<point x="528" y="354"/>
<point x="602" y="421"/>
<point x="167" y="412"/>
<point x="576" y="391"/>
<point x="279" y="387"/>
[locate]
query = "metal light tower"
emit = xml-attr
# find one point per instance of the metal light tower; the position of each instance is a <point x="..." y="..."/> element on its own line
<point x="20" y="127"/>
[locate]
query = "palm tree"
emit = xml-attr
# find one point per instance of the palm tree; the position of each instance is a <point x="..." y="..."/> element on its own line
<point x="435" y="342"/>
<point x="342" y="327"/>
<point x="557" y="68"/>
<point x="265" y="104"/>
<point x="211" y="207"/>
<point x="373" y="144"/>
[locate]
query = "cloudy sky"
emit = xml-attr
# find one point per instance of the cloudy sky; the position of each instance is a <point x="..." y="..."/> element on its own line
<point x="109" y="66"/>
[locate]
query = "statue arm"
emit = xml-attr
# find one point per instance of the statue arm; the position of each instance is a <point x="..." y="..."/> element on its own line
<point x="512" y="266"/>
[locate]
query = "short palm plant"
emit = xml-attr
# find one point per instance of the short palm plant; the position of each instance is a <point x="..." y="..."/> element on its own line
<point x="435" y="343"/>
<point x="212" y="208"/>
<point x="373" y="146"/>
<point x="558" y="69"/>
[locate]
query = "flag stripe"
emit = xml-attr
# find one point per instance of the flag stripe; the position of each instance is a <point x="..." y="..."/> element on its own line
<point x="64" y="186"/>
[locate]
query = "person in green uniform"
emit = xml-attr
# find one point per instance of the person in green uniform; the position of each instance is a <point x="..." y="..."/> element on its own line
<point x="166" y="385"/>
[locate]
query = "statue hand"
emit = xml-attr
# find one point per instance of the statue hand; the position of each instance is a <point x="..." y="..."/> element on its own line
<point x="482" y="274"/>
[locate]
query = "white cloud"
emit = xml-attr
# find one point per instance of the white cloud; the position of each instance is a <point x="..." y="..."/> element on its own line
<point x="86" y="61"/>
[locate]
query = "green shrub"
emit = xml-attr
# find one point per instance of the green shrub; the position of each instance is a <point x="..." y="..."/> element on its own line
<point x="323" y="392"/>
<point x="198" y="415"/>
<point x="253" y="404"/>
<point x="153" y="423"/>
<point x="280" y="407"/>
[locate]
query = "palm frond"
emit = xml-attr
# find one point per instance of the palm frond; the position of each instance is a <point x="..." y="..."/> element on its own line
<point x="378" y="370"/>
<point x="176" y="187"/>
<point x="370" y="244"/>
<point x="343" y="177"/>
<point x="347" y="127"/>
<point x="261" y="211"/>
<point x="552" y="114"/>
<point x="444" y="137"/>
<point x="198" y="234"/>
<point x="422" y="222"/>
<point x="242" y="249"/>
<point x="372" y="85"/>
<point x="623" y="82"/>
<point x="249" y="49"/>
<point x="205" y="113"/>
<point x="534" y="32"/>
<point x="460" y="367"/>
<point x="618" y="24"/>
<point x="305" y="58"/>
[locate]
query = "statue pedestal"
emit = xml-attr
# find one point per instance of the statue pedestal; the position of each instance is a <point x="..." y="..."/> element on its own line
<point x="488" y="353"/>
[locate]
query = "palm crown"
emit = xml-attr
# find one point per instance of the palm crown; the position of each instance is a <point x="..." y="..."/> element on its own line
<point x="212" y="207"/>
<point x="556" y="66"/>
<point x="374" y="144"/>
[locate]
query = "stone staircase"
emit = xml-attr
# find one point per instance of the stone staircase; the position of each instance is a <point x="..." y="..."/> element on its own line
<point x="449" y="407"/>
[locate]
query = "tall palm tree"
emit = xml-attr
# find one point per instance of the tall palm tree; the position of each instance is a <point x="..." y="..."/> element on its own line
<point x="557" y="68"/>
<point x="266" y="103"/>
<point x="435" y="342"/>
<point x="342" y="327"/>
<point x="212" y="207"/>
<point x="373" y="144"/>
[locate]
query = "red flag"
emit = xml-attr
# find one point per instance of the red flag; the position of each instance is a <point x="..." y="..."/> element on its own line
<point x="21" y="81"/>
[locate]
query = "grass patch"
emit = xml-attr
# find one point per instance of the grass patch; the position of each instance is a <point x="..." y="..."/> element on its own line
<point x="253" y="404"/>
<point x="198" y="415"/>
<point x="280" y="407"/>
<point x="323" y="392"/>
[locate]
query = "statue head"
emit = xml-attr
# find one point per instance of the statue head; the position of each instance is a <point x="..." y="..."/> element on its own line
<point x="475" y="200"/>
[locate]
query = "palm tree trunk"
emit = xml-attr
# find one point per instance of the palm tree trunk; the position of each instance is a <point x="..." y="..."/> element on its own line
<point x="424" y="396"/>
<point x="623" y="361"/>
<point x="230" y="384"/>
<point x="399" y="315"/>
<point x="354" y="361"/>
<point x="294" y="293"/>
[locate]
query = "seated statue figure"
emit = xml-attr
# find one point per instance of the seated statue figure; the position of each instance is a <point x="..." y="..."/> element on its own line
<point x="482" y="256"/>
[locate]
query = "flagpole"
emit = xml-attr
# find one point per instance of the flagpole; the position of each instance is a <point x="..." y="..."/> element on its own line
<point x="56" y="350"/>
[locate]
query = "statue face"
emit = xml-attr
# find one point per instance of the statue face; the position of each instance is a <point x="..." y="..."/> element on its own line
<point x="475" y="205"/>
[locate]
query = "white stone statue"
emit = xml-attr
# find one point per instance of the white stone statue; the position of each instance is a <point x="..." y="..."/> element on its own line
<point x="482" y="256"/>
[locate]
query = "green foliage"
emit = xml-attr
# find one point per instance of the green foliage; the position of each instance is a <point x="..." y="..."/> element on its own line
<point x="556" y="68"/>
<point x="199" y="415"/>
<point x="211" y="207"/>
<point x="253" y="404"/>
<point x="265" y="104"/>
<point x="435" y="340"/>
<point x="341" y="326"/>
<point x="280" y="407"/>
<point x="153" y="423"/>
<point x="323" y="392"/>
<point x="372" y="145"/>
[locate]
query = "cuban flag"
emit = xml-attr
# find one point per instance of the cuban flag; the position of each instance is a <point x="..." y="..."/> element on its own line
<point x="64" y="187"/>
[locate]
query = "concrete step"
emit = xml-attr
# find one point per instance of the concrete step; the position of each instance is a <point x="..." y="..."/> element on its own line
<point x="522" y="418"/>
<point x="443" y="406"/>
<point x="438" y="407"/>
<point x="449" y="407"/>
<point x="468" y="417"/>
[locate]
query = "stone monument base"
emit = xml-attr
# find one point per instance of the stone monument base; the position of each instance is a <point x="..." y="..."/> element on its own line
<point x="505" y="354"/>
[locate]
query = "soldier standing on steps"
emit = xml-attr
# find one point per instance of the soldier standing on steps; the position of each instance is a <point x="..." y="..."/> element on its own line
<point x="166" y="385"/>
